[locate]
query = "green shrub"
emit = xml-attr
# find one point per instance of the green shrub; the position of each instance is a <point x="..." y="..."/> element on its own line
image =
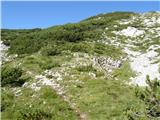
<point x="51" y="51"/>
<point x="88" y="68"/>
<point x="81" y="47"/>
<point x="108" y="50"/>
<point x="11" y="76"/>
<point x="49" y="65"/>
<point x="113" y="15"/>
<point x="151" y="97"/>
<point x="34" y="114"/>
<point x="6" y="99"/>
<point x="26" y="44"/>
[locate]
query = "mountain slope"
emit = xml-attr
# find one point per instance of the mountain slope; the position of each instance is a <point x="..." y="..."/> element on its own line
<point x="92" y="68"/>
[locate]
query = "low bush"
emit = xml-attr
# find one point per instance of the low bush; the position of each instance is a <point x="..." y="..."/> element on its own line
<point x="6" y="99"/>
<point x="40" y="63"/>
<point x="151" y="97"/>
<point x="49" y="65"/>
<point x="81" y="47"/>
<point x="88" y="68"/>
<point x="51" y="50"/>
<point x="107" y="50"/>
<point x="12" y="76"/>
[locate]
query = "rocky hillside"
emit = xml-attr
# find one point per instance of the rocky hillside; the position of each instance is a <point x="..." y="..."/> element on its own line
<point x="104" y="67"/>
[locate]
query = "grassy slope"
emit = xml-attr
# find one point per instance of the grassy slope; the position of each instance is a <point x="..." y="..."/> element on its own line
<point x="44" y="104"/>
<point x="100" y="98"/>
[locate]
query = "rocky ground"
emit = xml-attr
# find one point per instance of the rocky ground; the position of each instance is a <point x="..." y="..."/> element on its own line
<point x="142" y="62"/>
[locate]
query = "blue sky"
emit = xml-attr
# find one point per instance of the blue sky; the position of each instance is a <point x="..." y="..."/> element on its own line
<point x="42" y="14"/>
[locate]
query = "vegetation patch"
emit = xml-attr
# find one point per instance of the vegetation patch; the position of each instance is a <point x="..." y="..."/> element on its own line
<point x="124" y="72"/>
<point x="45" y="104"/>
<point x="12" y="76"/>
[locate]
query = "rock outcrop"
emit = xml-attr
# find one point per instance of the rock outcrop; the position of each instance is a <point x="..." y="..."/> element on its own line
<point x="107" y="63"/>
